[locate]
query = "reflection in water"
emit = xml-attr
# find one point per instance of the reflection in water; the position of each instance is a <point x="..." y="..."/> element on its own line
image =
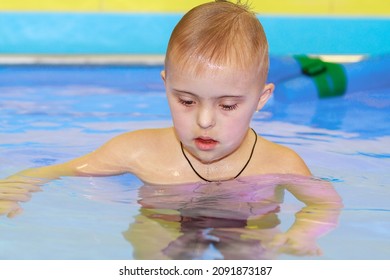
<point x="232" y="220"/>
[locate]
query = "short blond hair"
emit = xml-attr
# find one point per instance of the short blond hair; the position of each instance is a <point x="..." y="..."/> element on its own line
<point x="219" y="33"/>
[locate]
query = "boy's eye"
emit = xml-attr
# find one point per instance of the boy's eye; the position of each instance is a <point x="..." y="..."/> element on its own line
<point x="186" y="103"/>
<point x="228" y="107"/>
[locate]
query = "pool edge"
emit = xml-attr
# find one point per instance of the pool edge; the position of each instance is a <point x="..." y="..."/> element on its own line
<point x="82" y="59"/>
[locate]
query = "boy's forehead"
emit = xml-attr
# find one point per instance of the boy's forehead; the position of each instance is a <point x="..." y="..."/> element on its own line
<point x="198" y="67"/>
<point x="227" y="77"/>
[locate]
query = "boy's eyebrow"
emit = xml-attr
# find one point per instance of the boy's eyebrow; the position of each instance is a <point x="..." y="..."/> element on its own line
<point x="183" y="91"/>
<point x="219" y="97"/>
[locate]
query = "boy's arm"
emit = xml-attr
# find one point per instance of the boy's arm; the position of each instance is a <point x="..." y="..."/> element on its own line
<point x="108" y="160"/>
<point x="105" y="161"/>
<point x="316" y="218"/>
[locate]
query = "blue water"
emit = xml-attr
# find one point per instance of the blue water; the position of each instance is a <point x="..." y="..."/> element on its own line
<point x="49" y="114"/>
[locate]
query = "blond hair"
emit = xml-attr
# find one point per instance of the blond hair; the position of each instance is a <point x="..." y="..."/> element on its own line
<point x="218" y="34"/>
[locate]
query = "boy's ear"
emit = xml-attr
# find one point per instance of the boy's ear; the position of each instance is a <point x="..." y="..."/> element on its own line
<point x="163" y="75"/>
<point x="265" y="95"/>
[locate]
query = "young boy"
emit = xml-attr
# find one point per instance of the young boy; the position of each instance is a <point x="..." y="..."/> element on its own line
<point x="215" y="78"/>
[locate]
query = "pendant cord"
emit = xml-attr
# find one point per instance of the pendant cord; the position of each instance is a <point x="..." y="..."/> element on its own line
<point x="239" y="173"/>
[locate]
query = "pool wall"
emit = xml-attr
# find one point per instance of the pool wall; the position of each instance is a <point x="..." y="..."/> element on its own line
<point x="131" y="28"/>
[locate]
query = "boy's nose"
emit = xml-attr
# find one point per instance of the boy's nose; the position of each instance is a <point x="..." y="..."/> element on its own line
<point x="206" y="118"/>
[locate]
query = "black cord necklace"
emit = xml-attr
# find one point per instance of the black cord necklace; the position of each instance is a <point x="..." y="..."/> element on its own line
<point x="210" y="181"/>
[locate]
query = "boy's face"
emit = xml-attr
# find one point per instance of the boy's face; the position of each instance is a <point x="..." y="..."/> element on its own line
<point x="212" y="111"/>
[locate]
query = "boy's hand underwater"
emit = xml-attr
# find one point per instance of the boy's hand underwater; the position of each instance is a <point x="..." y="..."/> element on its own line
<point x="295" y="244"/>
<point x="13" y="191"/>
<point x="10" y="208"/>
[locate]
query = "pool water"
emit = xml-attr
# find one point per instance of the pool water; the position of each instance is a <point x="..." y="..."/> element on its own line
<point x="49" y="114"/>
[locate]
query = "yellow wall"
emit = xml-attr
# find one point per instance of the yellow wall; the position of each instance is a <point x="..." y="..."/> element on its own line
<point x="313" y="7"/>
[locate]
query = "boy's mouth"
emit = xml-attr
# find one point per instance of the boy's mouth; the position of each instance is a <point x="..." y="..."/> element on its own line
<point x="205" y="144"/>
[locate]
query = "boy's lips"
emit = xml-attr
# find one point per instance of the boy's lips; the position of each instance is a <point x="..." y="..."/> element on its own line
<point x="205" y="143"/>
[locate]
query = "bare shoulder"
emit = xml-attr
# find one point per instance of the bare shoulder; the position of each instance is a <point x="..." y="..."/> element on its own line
<point x="281" y="159"/>
<point x="124" y="153"/>
<point x="141" y="140"/>
<point x="148" y="153"/>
